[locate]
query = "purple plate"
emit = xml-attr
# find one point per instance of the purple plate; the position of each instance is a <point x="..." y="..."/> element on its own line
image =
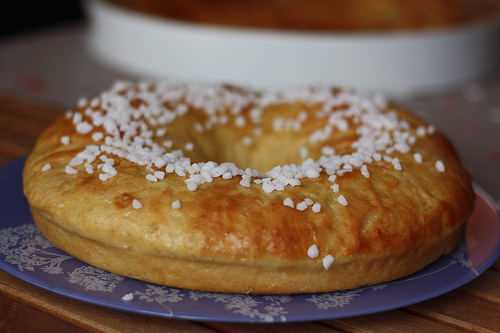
<point x="27" y="255"/>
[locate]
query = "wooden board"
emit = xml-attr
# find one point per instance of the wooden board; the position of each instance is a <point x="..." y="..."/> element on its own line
<point x="473" y="308"/>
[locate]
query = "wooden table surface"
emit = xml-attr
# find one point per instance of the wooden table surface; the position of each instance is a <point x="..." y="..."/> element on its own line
<point x="24" y="308"/>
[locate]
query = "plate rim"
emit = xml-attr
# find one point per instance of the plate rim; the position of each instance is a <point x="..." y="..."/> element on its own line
<point x="310" y="317"/>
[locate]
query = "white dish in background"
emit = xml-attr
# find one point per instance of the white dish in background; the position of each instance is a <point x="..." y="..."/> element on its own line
<point x="396" y="62"/>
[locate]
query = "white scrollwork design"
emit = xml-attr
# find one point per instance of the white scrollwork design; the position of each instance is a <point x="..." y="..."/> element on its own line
<point x="267" y="308"/>
<point x="94" y="279"/>
<point x="24" y="247"/>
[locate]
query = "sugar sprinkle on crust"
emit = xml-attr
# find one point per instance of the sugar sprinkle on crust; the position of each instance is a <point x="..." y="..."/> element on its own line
<point x="342" y="200"/>
<point x="440" y="166"/>
<point x="97" y="136"/>
<point x="288" y="202"/>
<point x="176" y="204"/>
<point x="301" y="206"/>
<point x="65" y="140"/>
<point x="136" y="204"/>
<point x="313" y="251"/>
<point x="70" y="170"/>
<point x="46" y="167"/>
<point x="328" y="261"/>
<point x="128" y="121"/>
<point x="127" y="133"/>
<point x="316" y="208"/>
<point x="364" y="171"/>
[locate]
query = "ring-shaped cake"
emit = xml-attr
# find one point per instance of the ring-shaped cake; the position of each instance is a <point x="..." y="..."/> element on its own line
<point x="221" y="188"/>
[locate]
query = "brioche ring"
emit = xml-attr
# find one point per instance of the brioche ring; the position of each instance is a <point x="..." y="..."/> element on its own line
<point x="324" y="190"/>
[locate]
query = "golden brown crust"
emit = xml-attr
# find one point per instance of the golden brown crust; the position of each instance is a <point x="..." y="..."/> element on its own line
<point x="396" y="222"/>
<point x="243" y="278"/>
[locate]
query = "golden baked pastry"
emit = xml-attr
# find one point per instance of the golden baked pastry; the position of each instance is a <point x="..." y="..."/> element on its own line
<point x="225" y="189"/>
<point x="321" y="15"/>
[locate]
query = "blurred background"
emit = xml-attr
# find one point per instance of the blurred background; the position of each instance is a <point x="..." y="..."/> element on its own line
<point x="438" y="57"/>
<point x="18" y="19"/>
<point x="400" y="47"/>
